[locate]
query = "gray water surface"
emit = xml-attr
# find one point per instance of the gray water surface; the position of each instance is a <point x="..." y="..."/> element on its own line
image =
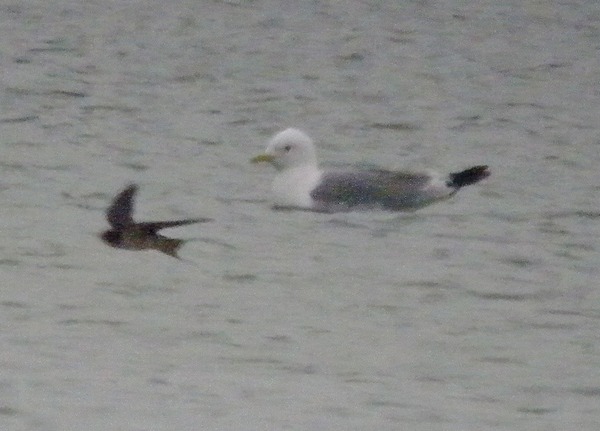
<point x="480" y="313"/>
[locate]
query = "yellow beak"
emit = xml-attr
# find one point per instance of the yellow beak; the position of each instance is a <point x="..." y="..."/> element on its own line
<point x="263" y="158"/>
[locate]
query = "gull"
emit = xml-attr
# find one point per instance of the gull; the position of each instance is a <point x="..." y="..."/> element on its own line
<point x="300" y="184"/>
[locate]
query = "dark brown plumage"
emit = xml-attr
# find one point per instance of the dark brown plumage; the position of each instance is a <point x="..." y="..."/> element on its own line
<point x="129" y="235"/>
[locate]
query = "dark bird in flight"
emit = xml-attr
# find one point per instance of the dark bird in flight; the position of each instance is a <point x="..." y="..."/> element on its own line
<point x="129" y="235"/>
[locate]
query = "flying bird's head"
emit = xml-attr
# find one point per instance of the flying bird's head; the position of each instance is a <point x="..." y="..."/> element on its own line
<point x="290" y="148"/>
<point x="111" y="237"/>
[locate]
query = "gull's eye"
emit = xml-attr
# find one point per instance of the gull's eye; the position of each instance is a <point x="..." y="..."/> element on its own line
<point x="287" y="148"/>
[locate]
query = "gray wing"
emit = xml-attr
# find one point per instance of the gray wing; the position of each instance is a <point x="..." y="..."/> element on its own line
<point x="120" y="212"/>
<point x="375" y="188"/>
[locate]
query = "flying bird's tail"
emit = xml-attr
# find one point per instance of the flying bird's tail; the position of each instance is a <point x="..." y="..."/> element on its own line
<point x="468" y="176"/>
<point x="169" y="246"/>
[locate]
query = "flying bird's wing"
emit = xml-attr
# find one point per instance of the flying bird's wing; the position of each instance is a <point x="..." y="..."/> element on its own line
<point x="155" y="226"/>
<point x="120" y="212"/>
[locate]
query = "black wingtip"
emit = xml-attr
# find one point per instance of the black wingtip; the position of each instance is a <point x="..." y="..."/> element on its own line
<point x="469" y="176"/>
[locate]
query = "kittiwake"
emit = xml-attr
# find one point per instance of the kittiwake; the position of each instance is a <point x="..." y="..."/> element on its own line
<point x="300" y="183"/>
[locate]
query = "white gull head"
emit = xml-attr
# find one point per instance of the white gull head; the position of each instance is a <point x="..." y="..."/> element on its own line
<point x="292" y="152"/>
<point x="291" y="148"/>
